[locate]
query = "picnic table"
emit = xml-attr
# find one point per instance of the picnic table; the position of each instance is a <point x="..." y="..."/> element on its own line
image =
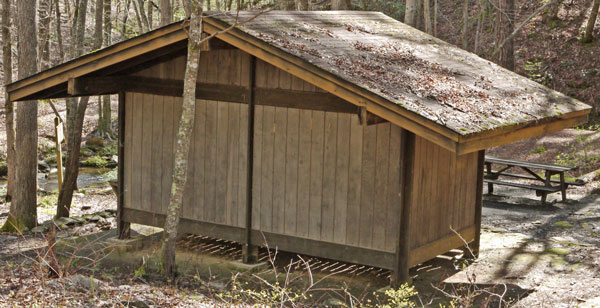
<point x="544" y="185"/>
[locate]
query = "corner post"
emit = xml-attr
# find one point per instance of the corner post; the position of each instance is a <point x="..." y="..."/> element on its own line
<point x="478" y="203"/>
<point x="123" y="227"/>
<point x="407" y="154"/>
<point x="250" y="251"/>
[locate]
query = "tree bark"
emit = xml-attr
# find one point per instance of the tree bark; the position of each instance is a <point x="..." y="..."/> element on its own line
<point x="23" y="208"/>
<point x="186" y="124"/>
<point x="98" y="24"/>
<point x="427" y="16"/>
<point x="504" y="27"/>
<point x="8" y="105"/>
<point x="75" y="116"/>
<point x="150" y="15"/>
<point x="302" y="5"/>
<point x="61" y="49"/>
<point x="143" y="15"/>
<point x="44" y="13"/>
<point x="165" y="12"/>
<point x="107" y="41"/>
<point x="410" y="15"/>
<point x="465" y="27"/>
<point x="340" y="5"/>
<point x="435" y="17"/>
<point x="589" y="29"/>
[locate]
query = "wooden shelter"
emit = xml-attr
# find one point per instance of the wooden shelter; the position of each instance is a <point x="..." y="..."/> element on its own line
<point x="344" y="135"/>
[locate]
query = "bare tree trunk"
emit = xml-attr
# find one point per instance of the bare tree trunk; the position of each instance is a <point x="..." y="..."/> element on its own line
<point x="302" y="5"/>
<point x="150" y="15"/>
<point x="125" y="16"/>
<point x="504" y="28"/>
<point x="106" y="112"/>
<point x="340" y="5"/>
<point x="23" y="208"/>
<point x="435" y="17"/>
<point x="410" y="15"/>
<point x="482" y="10"/>
<point x="45" y="13"/>
<point x="427" y="15"/>
<point x="143" y="14"/>
<point x="186" y="124"/>
<point x="137" y="17"/>
<point x="589" y="29"/>
<point x="465" y="27"/>
<point x="8" y="105"/>
<point x="98" y="24"/>
<point x="75" y="116"/>
<point x="61" y="49"/>
<point x="165" y="12"/>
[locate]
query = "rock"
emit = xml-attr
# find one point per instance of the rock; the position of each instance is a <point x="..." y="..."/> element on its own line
<point x="137" y="303"/>
<point x="95" y="143"/>
<point x="105" y="214"/>
<point x="65" y="221"/>
<point x="41" y="228"/>
<point x="86" y="152"/>
<point x="93" y="218"/>
<point x="43" y="166"/>
<point x="86" y="284"/>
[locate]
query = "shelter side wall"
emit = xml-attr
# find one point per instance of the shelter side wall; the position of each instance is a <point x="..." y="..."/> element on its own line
<point x="317" y="175"/>
<point x="444" y="194"/>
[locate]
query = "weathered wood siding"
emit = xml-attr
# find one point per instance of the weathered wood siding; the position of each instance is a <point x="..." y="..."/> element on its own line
<point x="317" y="175"/>
<point x="444" y="193"/>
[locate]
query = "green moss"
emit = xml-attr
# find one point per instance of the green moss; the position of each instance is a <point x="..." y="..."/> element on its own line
<point x="95" y="161"/>
<point x="13" y="225"/>
<point x="563" y="224"/>
<point x="557" y="251"/>
<point x="539" y="150"/>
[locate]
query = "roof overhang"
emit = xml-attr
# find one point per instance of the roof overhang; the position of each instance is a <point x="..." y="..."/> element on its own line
<point x="53" y="83"/>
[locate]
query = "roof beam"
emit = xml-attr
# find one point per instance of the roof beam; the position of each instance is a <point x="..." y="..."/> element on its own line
<point x="88" y="86"/>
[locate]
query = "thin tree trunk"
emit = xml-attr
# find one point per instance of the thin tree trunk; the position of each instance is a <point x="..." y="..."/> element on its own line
<point x="186" y="124"/>
<point x="23" y="208"/>
<point x="465" y="27"/>
<point x="44" y="13"/>
<point x="150" y="15"/>
<point x="482" y="10"/>
<point x="341" y="5"/>
<point x="8" y="105"/>
<point x="410" y="14"/>
<point x="65" y="196"/>
<point x="435" y="17"/>
<point x="98" y="24"/>
<point x="75" y="116"/>
<point x="106" y="112"/>
<point x="124" y="31"/>
<point x="137" y="17"/>
<point x="302" y="5"/>
<point x="143" y="14"/>
<point x="61" y="49"/>
<point x="427" y="16"/>
<point x="589" y="29"/>
<point x="505" y="26"/>
<point x="165" y="12"/>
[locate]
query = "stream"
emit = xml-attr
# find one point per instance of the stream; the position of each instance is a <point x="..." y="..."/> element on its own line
<point x="87" y="177"/>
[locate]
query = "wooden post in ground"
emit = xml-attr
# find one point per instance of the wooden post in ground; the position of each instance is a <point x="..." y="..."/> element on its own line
<point x="123" y="228"/>
<point x="478" y="203"/>
<point x="250" y="251"/>
<point x="407" y="153"/>
<point x="60" y="137"/>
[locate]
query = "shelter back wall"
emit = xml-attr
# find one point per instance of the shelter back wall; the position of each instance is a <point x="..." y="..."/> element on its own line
<point x="317" y="175"/>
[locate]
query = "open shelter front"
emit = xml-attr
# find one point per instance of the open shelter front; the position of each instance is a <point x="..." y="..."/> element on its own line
<point x="376" y="164"/>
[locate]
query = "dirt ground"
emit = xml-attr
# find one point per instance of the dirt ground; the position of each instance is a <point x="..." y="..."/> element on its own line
<point x="532" y="255"/>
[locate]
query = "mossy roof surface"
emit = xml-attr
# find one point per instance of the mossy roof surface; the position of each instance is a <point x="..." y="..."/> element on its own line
<point x="410" y="68"/>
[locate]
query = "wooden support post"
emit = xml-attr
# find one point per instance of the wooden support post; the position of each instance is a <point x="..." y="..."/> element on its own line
<point x="407" y="154"/>
<point x="123" y="228"/>
<point x="478" y="203"/>
<point x="489" y="171"/>
<point x="60" y="137"/>
<point x="250" y="252"/>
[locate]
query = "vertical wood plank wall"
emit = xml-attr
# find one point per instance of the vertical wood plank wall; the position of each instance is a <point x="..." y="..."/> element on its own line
<point x="317" y="175"/>
<point x="444" y="195"/>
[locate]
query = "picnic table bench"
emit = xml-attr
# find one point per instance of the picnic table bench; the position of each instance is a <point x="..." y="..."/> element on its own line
<point x="492" y="177"/>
